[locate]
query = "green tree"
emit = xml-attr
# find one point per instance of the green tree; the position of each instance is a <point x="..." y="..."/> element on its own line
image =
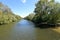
<point x="6" y="15"/>
<point x="30" y="16"/>
<point x="48" y="11"/>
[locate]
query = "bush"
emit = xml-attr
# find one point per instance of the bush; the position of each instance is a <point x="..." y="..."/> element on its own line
<point x="47" y="12"/>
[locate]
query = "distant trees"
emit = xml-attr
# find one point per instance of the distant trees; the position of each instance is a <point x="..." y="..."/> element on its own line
<point x="30" y="16"/>
<point x="6" y="15"/>
<point x="47" y="11"/>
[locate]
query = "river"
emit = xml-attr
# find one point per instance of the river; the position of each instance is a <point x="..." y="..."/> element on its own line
<point x="26" y="30"/>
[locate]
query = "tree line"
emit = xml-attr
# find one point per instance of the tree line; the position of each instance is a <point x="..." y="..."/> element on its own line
<point x="6" y="15"/>
<point x="47" y="12"/>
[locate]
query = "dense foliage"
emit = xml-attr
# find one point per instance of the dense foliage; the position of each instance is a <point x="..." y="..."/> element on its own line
<point x="47" y="11"/>
<point x="6" y="15"/>
<point x="30" y="16"/>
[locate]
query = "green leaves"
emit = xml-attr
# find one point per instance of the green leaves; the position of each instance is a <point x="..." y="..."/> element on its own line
<point x="48" y="11"/>
<point x="30" y="16"/>
<point x="6" y="15"/>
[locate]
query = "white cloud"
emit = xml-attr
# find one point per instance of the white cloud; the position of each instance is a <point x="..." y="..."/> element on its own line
<point x="23" y="1"/>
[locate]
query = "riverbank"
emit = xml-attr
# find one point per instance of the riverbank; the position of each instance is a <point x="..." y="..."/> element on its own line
<point x="6" y="15"/>
<point x="26" y="30"/>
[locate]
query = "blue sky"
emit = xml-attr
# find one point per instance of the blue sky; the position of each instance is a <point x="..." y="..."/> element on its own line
<point x="21" y="7"/>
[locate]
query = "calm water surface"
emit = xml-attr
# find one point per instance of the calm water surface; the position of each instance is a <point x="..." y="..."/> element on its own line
<point x="25" y="30"/>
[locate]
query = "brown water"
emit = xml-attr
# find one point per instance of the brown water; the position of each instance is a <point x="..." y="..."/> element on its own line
<point x="25" y="30"/>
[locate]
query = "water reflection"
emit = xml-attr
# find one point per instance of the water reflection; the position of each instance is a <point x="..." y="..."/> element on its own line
<point x="25" y="30"/>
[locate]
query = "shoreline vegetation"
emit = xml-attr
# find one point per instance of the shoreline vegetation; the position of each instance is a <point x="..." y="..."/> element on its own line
<point x="6" y="15"/>
<point x="46" y="13"/>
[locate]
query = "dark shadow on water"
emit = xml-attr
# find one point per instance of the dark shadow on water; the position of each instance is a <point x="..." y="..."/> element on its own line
<point x="26" y="30"/>
<point x="30" y="32"/>
<point x="45" y="26"/>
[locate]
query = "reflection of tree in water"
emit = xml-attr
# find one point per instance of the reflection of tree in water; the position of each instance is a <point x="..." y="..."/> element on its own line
<point x="26" y="31"/>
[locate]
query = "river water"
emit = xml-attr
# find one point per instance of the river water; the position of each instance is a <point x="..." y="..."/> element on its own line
<point x="26" y="30"/>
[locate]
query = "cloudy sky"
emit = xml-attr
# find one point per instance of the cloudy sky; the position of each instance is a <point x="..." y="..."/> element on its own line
<point x="21" y="7"/>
